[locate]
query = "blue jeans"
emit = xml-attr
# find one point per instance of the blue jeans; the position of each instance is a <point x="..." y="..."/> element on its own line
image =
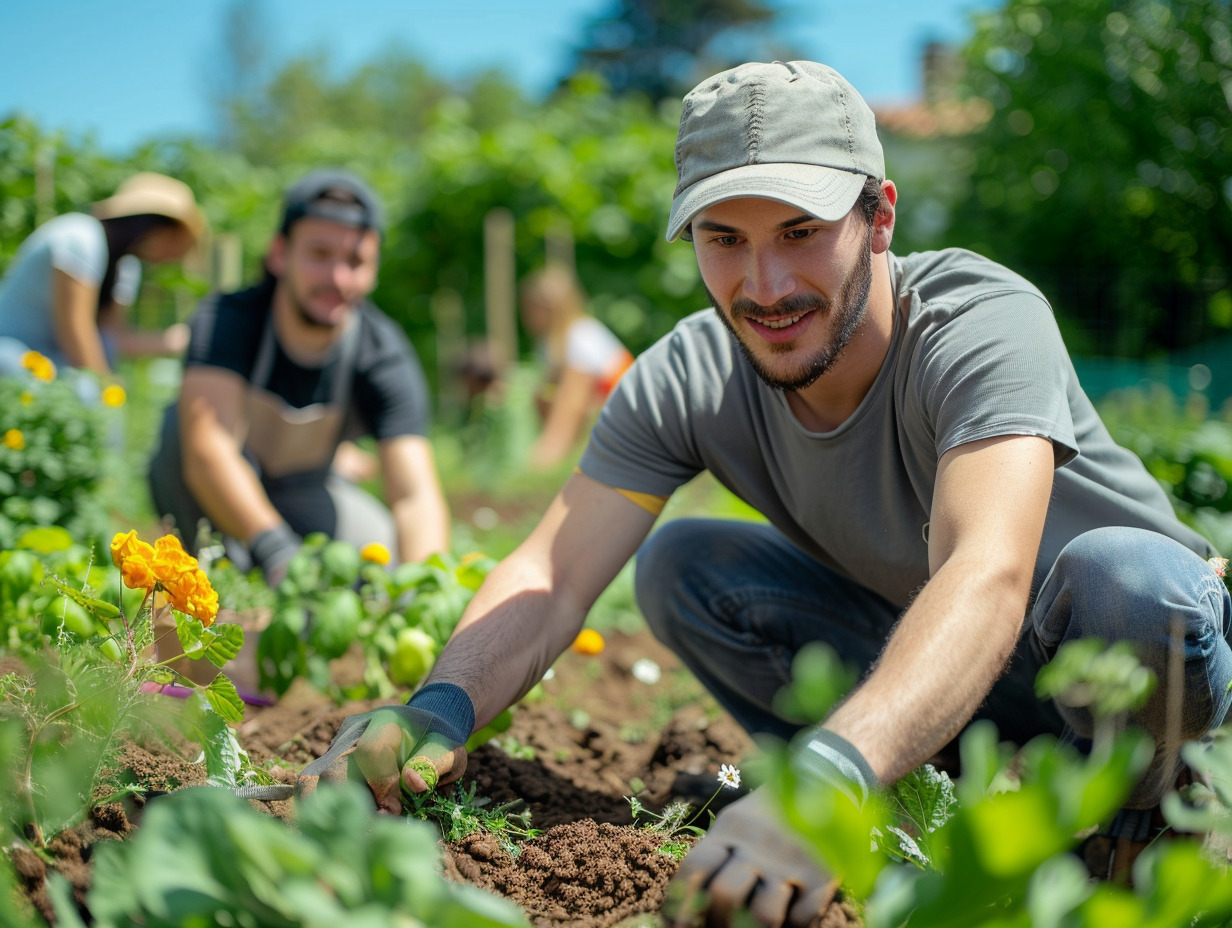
<point x="736" y="601"/>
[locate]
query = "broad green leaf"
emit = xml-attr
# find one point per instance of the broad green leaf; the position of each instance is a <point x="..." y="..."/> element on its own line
<point x="45" y="539"/>
<point x="226" y="701"/>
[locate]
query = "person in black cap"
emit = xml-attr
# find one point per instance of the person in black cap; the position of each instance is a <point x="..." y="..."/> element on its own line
<point x="279" y="376"/>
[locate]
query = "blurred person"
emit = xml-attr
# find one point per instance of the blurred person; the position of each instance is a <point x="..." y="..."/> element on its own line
<point x="68" y="289"/>
<point x="944" y="508"/>
<point x="582" y="361"/>
<point x="281" y="375"/>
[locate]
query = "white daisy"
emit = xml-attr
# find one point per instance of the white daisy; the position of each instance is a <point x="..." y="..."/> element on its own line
<point x="729" y="775"/>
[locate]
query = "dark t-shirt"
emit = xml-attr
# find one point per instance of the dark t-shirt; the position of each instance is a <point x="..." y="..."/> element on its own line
<point x="389" y="395"/>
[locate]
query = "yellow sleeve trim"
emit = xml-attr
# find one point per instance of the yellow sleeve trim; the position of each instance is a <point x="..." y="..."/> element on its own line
<point x="648" y="501"/>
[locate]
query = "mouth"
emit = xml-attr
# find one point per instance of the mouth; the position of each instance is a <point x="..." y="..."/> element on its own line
<point x="779" y="328"/>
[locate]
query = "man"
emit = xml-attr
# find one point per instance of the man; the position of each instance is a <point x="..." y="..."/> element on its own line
<point x="279" y="376"/>
<point x="932" y="473"/>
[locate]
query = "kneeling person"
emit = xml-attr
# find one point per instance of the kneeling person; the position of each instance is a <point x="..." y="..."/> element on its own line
<point x="278" y="376"/>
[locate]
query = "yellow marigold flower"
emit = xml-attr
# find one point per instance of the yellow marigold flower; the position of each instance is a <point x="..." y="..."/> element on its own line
<point x="169" y="570"/>
<point x="14" y="439"/>
<point x="136" y="573"/>
<point x="127" y="544"/>
<point x="39" y="365"/>
<point x="588" y="642"/>
<point x="114" y="395"/>
<point x="375" y="552"/>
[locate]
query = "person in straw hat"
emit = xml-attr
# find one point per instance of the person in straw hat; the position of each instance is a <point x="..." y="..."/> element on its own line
<point x="66" y="292"/>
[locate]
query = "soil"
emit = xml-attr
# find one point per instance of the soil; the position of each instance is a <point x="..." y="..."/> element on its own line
<point x="595" y="737"/>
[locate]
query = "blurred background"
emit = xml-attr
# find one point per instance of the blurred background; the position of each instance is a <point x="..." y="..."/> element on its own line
<point x="1083" y="143"/>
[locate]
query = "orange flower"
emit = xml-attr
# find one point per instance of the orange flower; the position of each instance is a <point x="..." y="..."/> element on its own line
<point x="137" y="574"/>
<point x="14" y="439"/>
<point x="588" y="642"/>
<point x="39" y="365"/>
<point x="375" y="552"/>
<point x="127" y="544"/>
<point x="114" y="395"/>
<point x="170" y="570"/>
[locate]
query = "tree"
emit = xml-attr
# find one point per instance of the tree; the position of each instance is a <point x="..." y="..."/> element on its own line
<point x="662" y="48"/>
<point x="1104" y="173"/>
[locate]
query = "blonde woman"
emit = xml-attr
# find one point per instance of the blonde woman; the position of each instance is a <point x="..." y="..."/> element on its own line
<point x="583" y="360"/>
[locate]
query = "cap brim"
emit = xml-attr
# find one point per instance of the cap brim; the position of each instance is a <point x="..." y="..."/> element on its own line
<point x="827" y="193"/>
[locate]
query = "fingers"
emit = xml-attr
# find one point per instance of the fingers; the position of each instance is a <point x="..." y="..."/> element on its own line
<point x="436" y="762"/>
<point x="812" y="902"/>
<point x="729" y="891"/>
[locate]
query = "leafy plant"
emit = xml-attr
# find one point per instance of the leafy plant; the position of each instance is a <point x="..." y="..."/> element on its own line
<point x="462" y="813"/>
<point x="60" y="719"/>
<point x="204" y="856"/>
<point x="332" y="598"/>
<point x="52" y="465"/>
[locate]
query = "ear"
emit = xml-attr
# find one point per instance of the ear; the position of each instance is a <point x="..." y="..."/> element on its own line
<point x="883" y="222"/>
<point x="276" y="257"/>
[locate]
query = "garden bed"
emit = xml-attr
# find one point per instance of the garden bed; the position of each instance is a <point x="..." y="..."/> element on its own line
<point x="596" y="736"/>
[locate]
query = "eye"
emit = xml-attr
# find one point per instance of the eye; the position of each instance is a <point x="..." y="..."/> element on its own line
<point x="798" y="234"/>
<point x="726" y="240"/>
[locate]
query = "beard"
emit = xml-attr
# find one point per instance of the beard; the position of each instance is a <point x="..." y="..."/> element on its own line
<point x="846" y="313"/>
<point x="299" y="303"/>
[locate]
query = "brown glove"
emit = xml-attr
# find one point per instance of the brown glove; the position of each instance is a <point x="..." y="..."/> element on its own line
<point x="748" y="861"/>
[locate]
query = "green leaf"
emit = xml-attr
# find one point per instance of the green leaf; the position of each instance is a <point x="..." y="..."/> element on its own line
<point x="226" y="701"/>
<point x="45" y="539"/>
<point x="224" y="758"/>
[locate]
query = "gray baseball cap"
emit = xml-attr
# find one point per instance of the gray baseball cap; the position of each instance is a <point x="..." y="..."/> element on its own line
<point x="332" y="194"/>
<point x="792" y="131"/>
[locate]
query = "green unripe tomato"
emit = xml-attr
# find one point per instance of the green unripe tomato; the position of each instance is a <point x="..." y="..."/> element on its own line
<point x="414" y="654"/>
<point x="69" y="612"/>
<point x="19" y="571"/>
<point x="339" y="564"/>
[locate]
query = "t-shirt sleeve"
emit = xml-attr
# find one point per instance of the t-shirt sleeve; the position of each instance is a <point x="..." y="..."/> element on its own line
<point x="392" y="394"/>
<point x="997" y="368"/>
<point x="78" y="247"/>
<point x="643" y="439"/>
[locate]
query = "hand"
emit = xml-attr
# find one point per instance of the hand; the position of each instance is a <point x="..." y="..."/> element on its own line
<point x="272" y="551"/>
<point x="749" y="861"/>
<point x="391" y="749"/>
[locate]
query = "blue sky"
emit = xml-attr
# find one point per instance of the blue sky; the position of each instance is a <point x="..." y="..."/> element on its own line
<point x="129" y="70"/>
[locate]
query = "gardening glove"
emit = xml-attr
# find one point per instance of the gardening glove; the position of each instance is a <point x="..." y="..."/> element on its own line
<point x="410" y="748"/>
<point x="749" y="861"/>
<point x="272" y="551"/>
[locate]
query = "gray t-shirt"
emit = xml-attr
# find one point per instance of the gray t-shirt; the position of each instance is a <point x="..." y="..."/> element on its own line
<point x="975" y="353"/>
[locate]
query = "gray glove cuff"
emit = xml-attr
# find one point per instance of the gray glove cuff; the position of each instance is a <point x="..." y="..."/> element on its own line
<point x="274" y="547"/>
<point x="453" y="710"/>
<point x="821" y="754"/>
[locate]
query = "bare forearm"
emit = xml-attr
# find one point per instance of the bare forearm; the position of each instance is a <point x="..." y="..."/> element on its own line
<point x="422" y="526"/>
<point x="943" y="658"/>
<point x="229" y="492"/>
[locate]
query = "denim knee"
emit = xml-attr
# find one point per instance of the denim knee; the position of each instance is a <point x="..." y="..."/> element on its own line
<point x="1127" y="584"/>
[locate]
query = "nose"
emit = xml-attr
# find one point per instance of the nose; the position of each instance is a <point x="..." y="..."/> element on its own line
<point x="768" y="278"/>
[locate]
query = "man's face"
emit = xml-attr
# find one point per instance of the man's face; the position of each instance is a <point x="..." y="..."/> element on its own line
<point x="792" y="289"/>
<point x="324" y="269"/>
